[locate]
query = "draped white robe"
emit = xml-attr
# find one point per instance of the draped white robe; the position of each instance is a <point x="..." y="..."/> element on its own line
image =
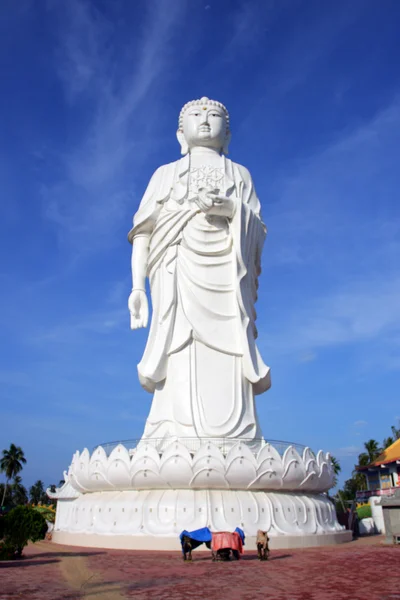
<point x="201" y="361"/>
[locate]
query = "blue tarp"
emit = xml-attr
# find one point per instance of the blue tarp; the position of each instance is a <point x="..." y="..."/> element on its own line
<point x="200" y="535"/>
<point x="204" y="535"/>
<point x="241" y="533"/>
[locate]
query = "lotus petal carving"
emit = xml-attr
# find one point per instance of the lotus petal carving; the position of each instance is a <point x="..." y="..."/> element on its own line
<point x="175" y="467"/>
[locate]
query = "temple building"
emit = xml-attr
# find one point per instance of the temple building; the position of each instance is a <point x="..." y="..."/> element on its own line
<point x="384" y="472"/>
<point x="383" y="479"/>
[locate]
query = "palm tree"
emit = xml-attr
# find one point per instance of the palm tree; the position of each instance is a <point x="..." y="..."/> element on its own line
<point x="11" y="464"/>
<point x="388" y="442"/>
<point x="372" y="451"/>
<point x="395" y="432"/>
<point x="336" y="469"/>
<point x="19" y="494"/>
<point x="391" y="438"/>
<point x="37" y="493"/>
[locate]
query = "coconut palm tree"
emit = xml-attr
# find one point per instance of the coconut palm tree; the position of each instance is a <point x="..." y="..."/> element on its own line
<point x="372" y="451"/>
<point x="388" y="442"/>
<point x="11" y="464"/>
<point x="19" y="493"/>
<point x="37" y="493"/>
<point x="336" y="469"/>
<point x="395" y="432"/>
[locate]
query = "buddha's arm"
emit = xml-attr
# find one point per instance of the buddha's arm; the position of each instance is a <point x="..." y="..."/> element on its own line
<point x="140" y="255"/>
<point x="138" y="304"/>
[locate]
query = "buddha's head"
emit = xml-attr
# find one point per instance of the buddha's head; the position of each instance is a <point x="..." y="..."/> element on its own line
<point x="204" y="123"/>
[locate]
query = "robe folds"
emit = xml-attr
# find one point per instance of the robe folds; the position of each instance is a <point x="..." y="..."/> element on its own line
<point x="201" y="361"/>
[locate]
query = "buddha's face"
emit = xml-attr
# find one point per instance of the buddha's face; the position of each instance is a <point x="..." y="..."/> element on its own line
<point x="205" y="126"/>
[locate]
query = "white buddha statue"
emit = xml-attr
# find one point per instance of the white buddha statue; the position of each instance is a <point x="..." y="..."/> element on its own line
<point x="198" y="237"/>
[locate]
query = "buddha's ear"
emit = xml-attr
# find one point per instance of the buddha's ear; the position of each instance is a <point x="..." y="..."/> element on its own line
<point x="182" y="141"/>
<point x="225" y="148"/>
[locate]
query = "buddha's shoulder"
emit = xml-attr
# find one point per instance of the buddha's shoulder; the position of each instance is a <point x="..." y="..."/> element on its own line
<point x="164" y="172"/>
<point x="243" y="171"/>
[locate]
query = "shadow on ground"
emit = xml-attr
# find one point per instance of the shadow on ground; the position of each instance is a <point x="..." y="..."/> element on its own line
<point x="62" y="554"/>
<point x="12" y="564"/>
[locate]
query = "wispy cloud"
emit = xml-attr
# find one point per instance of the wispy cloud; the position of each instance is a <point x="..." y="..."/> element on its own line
<point x="358" y="312"/>
<point x="307" y="357"/>
<point x="347" y="451"/>
<point x="82" y="55"/>
<point x="360" y="423"/>
<point x="95" y="184"/>
<point x="321" y="227"/>
<point x="325" y="200"/>
<point x="84" y="327"/>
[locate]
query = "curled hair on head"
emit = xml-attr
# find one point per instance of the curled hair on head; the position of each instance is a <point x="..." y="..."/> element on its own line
<point x="201" y="102"/>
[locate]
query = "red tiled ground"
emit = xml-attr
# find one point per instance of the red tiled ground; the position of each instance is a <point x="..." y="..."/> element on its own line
<point x="361" y="570"/>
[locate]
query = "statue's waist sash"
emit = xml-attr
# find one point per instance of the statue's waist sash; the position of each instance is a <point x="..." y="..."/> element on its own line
<point x="186" y="225"/>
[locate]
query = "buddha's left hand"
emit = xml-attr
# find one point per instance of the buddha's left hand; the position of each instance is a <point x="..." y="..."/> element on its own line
<point x="222" y="206"/>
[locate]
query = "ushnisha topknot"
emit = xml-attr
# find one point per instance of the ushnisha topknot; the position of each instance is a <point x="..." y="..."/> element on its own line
<point x="202" y="101"/>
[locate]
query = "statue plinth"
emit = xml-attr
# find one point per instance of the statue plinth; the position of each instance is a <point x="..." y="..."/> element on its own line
<point x="143" y="493"/>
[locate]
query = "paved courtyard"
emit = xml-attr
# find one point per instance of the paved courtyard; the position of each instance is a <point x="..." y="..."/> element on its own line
<point x="361" y="570"/>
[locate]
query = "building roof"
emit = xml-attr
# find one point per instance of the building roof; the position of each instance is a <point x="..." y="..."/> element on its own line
<point x="389" y="455"/>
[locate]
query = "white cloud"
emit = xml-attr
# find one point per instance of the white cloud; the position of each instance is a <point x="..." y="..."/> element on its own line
<point x="91" y="197"/>
<point x="347" y="451"/>
<point x="358" y="312"/>
<point x="360" y="423"/>
<point x="307" y="357"/>
<point x="325" y="201"/>
<point x="80" y="329"/>
<point x="348" y="257"/>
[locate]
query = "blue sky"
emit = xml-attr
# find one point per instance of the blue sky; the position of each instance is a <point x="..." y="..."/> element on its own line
<point x="90" y="95"/>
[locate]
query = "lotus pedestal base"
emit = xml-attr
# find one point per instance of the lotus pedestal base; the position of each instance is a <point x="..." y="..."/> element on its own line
<point x="148" y="519"/>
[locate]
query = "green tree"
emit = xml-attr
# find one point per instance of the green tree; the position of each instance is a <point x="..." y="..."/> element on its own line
<point x="23" y="524"/>
<point x="37" y="493"/>
<point x="388" y="442"/>
<point x="372" y="451"/>
<point x="391" y="438"/>
<point x="6" y="495"/>
<point x="11" y="464"/>
<point x="18" y="491"/>
<point x="336" y="469"/>
<point x="355" y="484"/>
<point x="48" y="513"/>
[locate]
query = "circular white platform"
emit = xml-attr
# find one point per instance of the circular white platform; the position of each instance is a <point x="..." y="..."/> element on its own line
<point x="145" y="542"/>
<point x="145" y="497"/>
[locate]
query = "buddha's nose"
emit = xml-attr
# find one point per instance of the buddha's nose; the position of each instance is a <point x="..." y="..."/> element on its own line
<point x="204" y="120"/>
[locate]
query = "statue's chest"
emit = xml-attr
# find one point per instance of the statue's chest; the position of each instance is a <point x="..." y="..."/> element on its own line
<point x="205" y="176"/>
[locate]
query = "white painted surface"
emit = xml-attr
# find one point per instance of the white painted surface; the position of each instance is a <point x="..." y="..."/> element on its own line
<point x="168" y="512"/>
<point x="367" y="526"/>
<point x="242" y="467"/>
<point x="377" y="513"/>
<point x="198" y="237"/>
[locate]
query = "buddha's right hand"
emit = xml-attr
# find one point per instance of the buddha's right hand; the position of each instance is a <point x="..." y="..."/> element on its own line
<point x="203" y="200"/>
<point x="139" y="309"/>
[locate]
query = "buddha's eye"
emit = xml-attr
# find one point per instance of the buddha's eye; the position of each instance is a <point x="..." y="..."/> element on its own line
<point x="215" y="115"/>
<point x="195" y="114"/>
